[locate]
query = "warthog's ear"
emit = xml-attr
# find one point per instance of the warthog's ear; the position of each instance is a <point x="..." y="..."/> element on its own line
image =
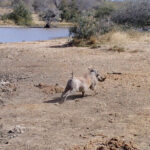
<point x="90" y="69"/>
<point x="101" y="79"/>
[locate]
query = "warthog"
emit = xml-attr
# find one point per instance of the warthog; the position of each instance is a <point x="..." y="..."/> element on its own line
<point x="82" y="84"/>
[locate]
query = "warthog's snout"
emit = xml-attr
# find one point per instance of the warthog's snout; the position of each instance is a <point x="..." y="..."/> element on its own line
<point x="101" y="79"/>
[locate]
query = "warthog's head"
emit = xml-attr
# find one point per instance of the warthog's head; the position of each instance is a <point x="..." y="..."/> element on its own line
<point x="97" y="75"/>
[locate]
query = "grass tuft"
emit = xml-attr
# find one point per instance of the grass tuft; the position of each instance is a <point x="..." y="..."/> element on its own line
<point x="117" y="49"/>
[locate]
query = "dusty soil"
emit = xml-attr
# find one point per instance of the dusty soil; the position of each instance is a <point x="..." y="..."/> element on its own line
<point x="120" y="109"/>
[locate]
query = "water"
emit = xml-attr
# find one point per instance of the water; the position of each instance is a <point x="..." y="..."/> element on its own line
<point x="31" y="34"/>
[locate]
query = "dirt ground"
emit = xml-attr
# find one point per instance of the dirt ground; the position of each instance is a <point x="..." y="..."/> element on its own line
<point x="32" y="119"/>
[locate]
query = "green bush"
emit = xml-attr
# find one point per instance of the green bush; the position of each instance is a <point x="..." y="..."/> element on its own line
<point x="105" y="26"/>
<point x="69" y="11"/>
<point x="20" y="15"/>
<point x="84" y="28"/>
<point x="87" y="25"/>
<point x="4" y="17"/>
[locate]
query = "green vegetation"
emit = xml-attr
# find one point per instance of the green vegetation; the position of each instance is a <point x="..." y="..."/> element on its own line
<point x="84" y="28"/>
<point x="108" y="17"/>
<point x="104" y="10"/>
<point x="20" y="15"/>
<point x="93" y="23"/>
<point x="133" y="14"/>
<point x="89" y="17"/>
<point x="69" y="11"/>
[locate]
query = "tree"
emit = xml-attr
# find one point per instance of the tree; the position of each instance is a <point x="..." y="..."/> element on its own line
<point x="69" y="10"/>
<point x="104" y="10"/>
<point x="39" y="5"/>
<point x="21" y="15"/>
<point x="133" y="13"/>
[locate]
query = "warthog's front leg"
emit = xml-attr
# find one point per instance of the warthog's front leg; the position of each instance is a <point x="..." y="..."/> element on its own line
<point x="94" y="89"/>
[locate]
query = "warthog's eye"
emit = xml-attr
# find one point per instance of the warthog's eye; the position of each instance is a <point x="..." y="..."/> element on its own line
<point x="97" y="75"/>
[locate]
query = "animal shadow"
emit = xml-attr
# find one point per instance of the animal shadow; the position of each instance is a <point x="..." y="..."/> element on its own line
<point x="60" y="46"/>
<point x="70" y="98"/>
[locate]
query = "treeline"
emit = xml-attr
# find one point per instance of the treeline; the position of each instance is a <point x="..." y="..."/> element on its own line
<point x="90" y="17"/>
<point x="110" y="16"/>
<point x="48" y="10"/>
<point x="42" y="5"/>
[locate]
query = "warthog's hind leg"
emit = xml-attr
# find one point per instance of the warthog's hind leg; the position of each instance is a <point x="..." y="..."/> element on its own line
<point x="65" y="95"/>
<point x="83" y="93"/>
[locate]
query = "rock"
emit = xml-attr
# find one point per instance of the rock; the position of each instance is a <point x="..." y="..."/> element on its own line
<point x="3" y="83"/>
<point x="19" y="129"/>
<point x="16" y="131"/>
<point x="6" y="135"/>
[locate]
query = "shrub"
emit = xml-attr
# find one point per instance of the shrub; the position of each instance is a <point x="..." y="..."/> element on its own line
<point x="103" y="17"/>
<point x="4" y="17"/>
<point x="116" y="48"/>
<point x="84" y="28"/>
<point x="98" y="21"/>
<point x="133" y="13"/>
<point x="69" y="11"/>
<point x="104" y="26"/>
<point x="20" y="15"/>
<point x="39" y="6"/>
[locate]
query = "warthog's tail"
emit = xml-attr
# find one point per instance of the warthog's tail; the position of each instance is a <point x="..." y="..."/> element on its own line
<point x="72" y="75"/>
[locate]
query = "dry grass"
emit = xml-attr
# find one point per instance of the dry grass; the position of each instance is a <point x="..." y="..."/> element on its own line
<point x="122" y="37"/>
<point x="62" y="24"/>
<point x="4" y="10"/>
<point x="92" y="42"/>
<point x="139" y="36"/>
<point x="40" y="23"/>
<point x="5" y="3"/>
<point x="117" y="41"/>
<point x="37" y="21"/>
<point x="116" y="48"/>
<point x="7" y="23"/>
<point x="120" y="41"/>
